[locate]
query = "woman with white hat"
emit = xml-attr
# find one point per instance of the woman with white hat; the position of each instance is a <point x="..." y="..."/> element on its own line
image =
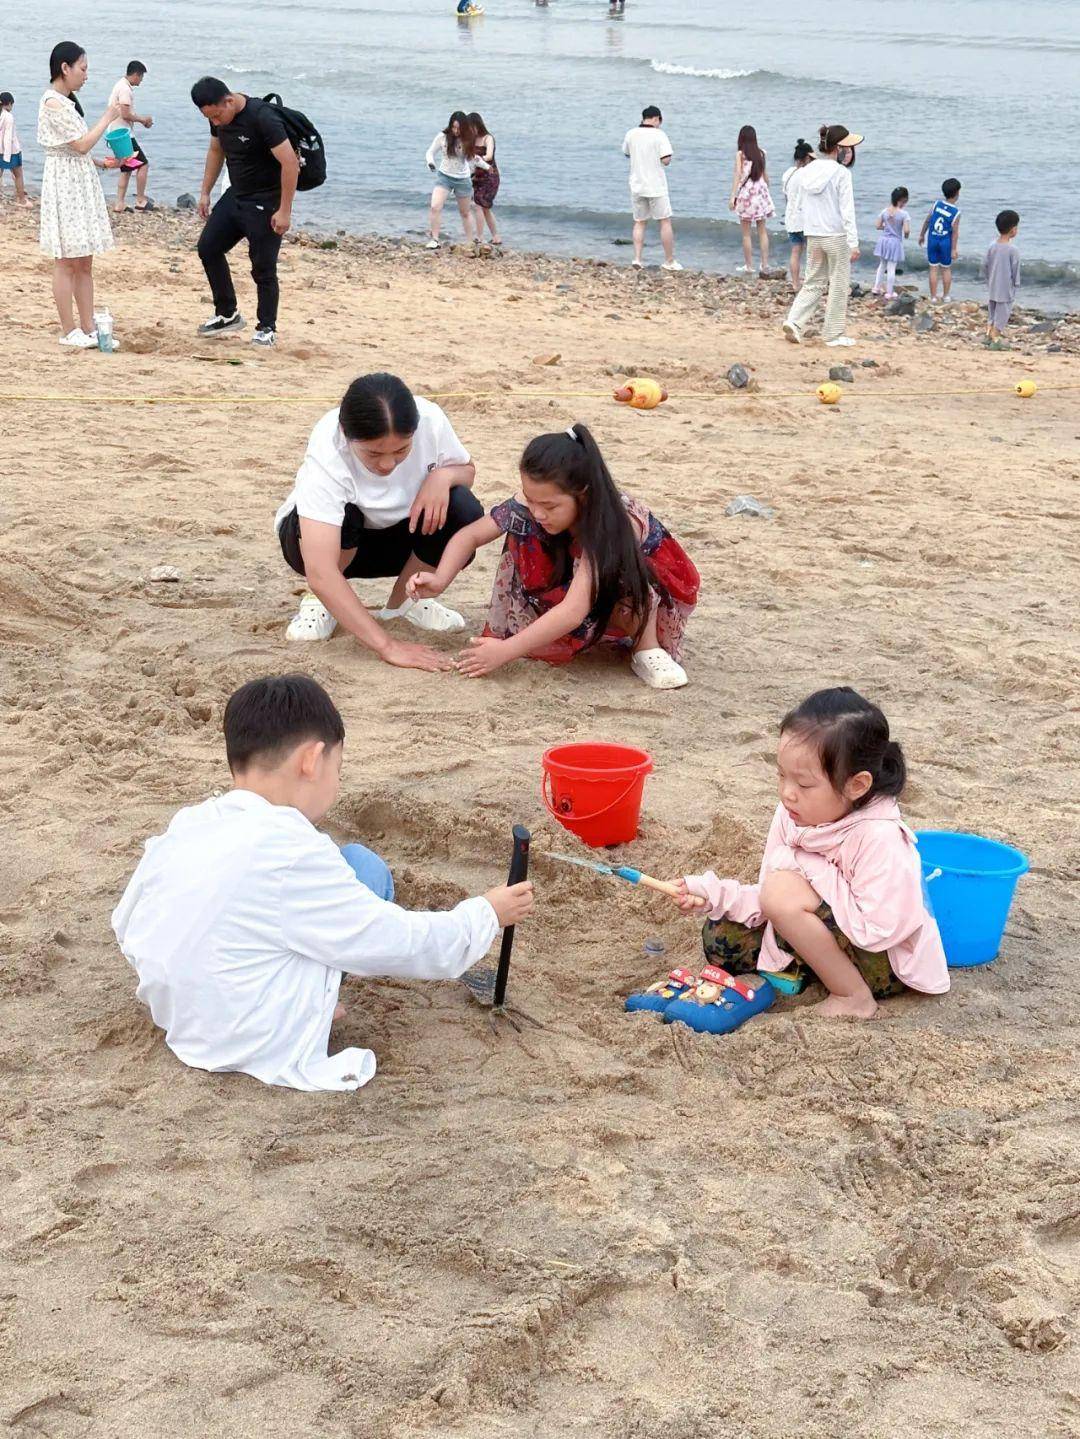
<point x="823" y="202"/>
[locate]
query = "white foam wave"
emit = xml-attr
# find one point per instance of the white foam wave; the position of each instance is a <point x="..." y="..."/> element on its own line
<point x="264" y="70"/>
<point x="661" y="67"/>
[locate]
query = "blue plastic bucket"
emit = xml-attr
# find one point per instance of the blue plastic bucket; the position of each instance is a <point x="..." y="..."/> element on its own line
<point x="119" y="142"/>
<point x="970" y="883"/>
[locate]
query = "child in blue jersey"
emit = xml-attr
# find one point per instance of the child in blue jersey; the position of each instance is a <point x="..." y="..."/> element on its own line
<point x="943" y="227"/>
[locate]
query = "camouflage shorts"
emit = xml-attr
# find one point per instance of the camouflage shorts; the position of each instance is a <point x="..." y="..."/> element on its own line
<point x="736" y="948"/>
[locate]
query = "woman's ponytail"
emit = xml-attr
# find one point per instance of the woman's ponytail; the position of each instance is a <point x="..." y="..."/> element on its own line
<point x="66" y="53"/>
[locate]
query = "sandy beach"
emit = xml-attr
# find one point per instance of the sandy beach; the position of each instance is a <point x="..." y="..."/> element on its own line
<point x="569" y="1221"/>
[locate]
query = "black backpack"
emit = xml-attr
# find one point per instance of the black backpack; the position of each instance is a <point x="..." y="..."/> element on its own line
<point x="305" y="140"/>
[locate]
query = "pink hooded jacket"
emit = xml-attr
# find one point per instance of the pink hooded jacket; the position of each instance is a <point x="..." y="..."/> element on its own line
<point x="866" y="869"/>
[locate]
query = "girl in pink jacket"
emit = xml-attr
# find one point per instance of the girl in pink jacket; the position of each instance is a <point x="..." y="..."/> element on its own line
<point x="840" y="888"/>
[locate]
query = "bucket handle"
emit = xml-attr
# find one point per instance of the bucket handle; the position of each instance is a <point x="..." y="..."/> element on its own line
<point x="545" y="791"/>
<point x="934" y="874"/>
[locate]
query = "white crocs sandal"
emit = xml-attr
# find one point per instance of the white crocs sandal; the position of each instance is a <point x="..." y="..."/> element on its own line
<point x="658" y="670"/>
<point x="312" y="621"/>
<point x="425" y="615"/>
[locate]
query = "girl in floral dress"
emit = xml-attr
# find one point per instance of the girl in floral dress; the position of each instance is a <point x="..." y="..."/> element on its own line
<point x="581" y="564"/>
<point x="74" y="216"/>
<point x="750" y="198"/>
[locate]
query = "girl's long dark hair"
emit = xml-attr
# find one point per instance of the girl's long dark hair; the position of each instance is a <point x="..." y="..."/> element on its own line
<point x="476" y="120"/>
<point x="752" y="151"/>
<point x="851" y="735"/>
<point x="66" y="53"/>
<point x="461" y="143"/>
<point x="571" y="460"/>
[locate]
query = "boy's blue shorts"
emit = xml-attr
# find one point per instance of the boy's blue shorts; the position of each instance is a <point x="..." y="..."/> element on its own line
<point x="939" y="250"/>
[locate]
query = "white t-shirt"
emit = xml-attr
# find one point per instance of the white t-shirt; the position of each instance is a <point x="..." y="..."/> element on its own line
<point x="793" y="212"/>
<point x="331" y="476"/>
<point x="122" y="94"/>
<point x="239" y="922"/>
<point x="647" y="145"/>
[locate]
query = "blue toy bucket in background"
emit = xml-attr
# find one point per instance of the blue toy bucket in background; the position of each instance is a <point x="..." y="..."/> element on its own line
<point x="970" y="882"/>
<point x="119" y="142"/>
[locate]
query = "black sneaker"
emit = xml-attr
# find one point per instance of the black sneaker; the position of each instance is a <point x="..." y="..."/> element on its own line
<point x="222" y="323"/>
<point x="263" y="337"/>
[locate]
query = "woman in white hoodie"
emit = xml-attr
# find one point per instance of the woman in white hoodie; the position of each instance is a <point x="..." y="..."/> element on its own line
<point x="822" y="205"/>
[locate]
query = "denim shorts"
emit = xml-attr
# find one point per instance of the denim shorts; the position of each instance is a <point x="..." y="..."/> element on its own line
<point x="460" y="185"/>
<point x="796" y="237"/>
<point x="15" y="163"/>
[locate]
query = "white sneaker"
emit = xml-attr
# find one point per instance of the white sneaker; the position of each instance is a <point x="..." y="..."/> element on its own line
<point x="637" y="264"/>
<point x="425" y="615"/>
<point x="312" y="621"/>
<point x="79" y="340"/>
<point x="791" y="333"/>
<point x="433" y="244"/>
<point x="841" y="341"/>
<point x="672" y="265"/>
<point x="658" y="670"/>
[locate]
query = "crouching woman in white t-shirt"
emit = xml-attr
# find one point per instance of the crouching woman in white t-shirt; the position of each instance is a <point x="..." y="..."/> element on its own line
<point x="384" y="486"/>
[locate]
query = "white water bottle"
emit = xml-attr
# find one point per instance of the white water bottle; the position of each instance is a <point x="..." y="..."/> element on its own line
<point x="104" y="322"/>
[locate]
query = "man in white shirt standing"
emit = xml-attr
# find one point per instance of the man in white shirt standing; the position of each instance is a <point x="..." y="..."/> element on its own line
<point x="123" y="94"/>
<point x="241" y="918"/>
<point x="650" y="154"/>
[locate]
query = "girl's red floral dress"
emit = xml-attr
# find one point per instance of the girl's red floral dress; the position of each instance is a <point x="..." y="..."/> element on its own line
<point x="536" y="569"/>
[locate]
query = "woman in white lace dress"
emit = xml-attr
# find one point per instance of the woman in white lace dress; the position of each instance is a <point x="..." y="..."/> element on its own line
<point x="74" y="216"/>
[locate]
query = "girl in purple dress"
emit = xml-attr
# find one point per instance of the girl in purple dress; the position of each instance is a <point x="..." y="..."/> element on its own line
<point x="894" y="222"/>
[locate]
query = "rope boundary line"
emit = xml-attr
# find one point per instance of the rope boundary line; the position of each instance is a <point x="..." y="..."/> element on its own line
<point x="112" y="399"/>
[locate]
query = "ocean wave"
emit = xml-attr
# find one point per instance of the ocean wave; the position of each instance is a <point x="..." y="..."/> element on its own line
<point x="272" y="71"/>
<point x="661" y="67"/>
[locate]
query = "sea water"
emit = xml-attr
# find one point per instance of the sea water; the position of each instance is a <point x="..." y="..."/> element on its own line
<point x="981" y="89"/>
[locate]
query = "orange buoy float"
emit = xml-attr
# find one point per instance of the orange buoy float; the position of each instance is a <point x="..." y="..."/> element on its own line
<point x="641" y="394"/>
<point x="829" y="394"/>
<point x="1026" y="389"/>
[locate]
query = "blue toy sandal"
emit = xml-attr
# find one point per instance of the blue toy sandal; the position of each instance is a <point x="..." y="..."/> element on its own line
<point x="659" y="995"/>
<point x="720" y="1002"/>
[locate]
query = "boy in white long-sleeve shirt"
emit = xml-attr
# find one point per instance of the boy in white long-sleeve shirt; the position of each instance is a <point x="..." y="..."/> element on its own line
<point x="242" y="917"/>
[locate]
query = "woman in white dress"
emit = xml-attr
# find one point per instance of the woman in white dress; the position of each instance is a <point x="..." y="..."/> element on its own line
<point x="74" y="216"/>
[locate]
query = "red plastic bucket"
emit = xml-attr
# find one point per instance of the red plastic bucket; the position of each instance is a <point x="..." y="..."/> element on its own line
<point x="594" y="790"/>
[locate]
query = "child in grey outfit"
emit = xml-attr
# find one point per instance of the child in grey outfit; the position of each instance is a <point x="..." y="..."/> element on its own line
<point x="1002" y="269"/>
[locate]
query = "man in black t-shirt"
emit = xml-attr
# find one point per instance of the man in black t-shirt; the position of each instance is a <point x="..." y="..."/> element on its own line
<point x="248" y="135"/>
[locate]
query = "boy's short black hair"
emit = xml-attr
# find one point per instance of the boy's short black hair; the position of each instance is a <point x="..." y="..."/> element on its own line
<point x="135" y="67"/>
<point x="208" y="91"/>
<point x="1006" y="221"/>
<point x="950" y="189"/>
<point x="6" y="97"/>
<point x="267" y="718"/>
<point x="651" y="112"/>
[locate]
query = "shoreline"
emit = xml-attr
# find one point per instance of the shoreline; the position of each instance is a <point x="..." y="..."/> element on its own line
<point x="750" y="297"/>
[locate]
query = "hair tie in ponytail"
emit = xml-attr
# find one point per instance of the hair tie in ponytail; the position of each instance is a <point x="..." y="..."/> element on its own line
<point x="572" y="432"/>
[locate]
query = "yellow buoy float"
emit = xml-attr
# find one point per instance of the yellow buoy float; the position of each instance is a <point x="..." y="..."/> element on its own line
<point x="829" y="394"/>
<point x="1026" y="389"/>
<point x="641" y="394"/>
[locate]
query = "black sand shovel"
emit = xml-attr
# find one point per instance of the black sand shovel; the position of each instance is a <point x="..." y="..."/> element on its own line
<point x="484" y="983"/>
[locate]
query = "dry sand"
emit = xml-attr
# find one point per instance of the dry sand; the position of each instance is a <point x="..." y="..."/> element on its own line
<point x="582" y="1223"/>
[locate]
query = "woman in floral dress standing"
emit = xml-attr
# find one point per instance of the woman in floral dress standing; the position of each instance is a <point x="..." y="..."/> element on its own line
<point x="74" y="216"/>
<point x="750" y="198"/>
